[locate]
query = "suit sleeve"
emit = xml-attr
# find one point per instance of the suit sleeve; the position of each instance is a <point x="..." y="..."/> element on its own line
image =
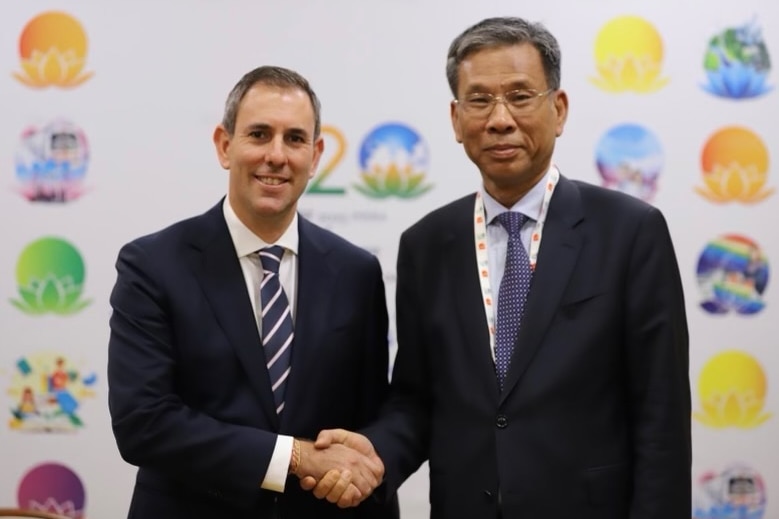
<point x="153" y="427"/>
<point x="401" y="435"/>
<point x="658" y="376"/>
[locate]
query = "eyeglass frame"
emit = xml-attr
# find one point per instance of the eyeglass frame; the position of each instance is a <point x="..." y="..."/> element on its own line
<point x="502" y="99"/>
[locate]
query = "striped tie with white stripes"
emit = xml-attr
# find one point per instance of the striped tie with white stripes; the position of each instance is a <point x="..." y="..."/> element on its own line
<point x="277" y="328"/>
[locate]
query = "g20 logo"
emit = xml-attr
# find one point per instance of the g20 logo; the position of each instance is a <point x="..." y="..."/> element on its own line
<point x="393" y="160"/>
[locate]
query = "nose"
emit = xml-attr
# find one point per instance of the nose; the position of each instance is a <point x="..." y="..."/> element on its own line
<point x="500" y="119"/>
<point x="276" y="155"/>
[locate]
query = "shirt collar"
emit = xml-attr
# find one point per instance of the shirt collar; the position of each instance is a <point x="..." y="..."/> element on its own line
<point x="246" y="242"/>
<point x="529" y="205"/>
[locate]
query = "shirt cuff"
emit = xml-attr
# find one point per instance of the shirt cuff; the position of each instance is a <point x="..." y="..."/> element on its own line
<point x="276" y="475"/>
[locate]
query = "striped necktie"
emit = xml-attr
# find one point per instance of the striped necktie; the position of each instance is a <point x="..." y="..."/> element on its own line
<point x="512" y="294"/>
<point x="277" y="328"/>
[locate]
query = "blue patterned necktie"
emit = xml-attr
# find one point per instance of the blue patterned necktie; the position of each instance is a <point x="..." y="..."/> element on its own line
<point x="512" y="294"/>
<point x="277" y="328"/>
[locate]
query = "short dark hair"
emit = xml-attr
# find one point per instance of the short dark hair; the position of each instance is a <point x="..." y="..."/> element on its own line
<point x="273" y="76"/>
<point x="504" y="31"/>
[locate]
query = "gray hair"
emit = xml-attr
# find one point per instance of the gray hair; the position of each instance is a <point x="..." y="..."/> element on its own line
<point x="497" y="32"/>
<point x="272" y="76"/>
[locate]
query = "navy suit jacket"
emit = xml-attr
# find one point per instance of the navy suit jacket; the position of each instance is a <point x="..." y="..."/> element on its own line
<point x="189" y="393"/>
<point x="594" y="418"/>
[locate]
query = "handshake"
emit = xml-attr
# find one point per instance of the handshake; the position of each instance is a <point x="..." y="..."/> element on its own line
<point x="340" y="466"/>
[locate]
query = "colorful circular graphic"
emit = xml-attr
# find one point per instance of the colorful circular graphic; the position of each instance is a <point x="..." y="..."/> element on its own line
<point x="53" y="488"/>
<point x="732" y="390"/>
<point x="47" y="390"/>
<point x="53" y="50"/>
<point x="51" y="162"/>
<point x="50" y="276"/>
<point x="737" y="492"/>
<point x="732" y="275"/>
<point x="629" y="56"/>
<point x="629" y="159"/>
<point x="737" y="63"/>
<point x="393" y="162"/>
<point x="734" y="162"/>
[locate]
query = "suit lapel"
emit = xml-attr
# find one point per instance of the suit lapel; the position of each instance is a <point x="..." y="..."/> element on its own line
<point x="219" y="272"/>
<point x="460" y="255"/>
<point x="560" y="245"/>
<point x="315" y="289"/>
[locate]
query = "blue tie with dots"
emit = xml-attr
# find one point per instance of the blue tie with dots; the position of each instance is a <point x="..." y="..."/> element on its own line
<point x="277" y="328"/>
<point x="512" y="294"/>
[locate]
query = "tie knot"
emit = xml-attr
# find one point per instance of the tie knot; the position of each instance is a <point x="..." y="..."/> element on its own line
<point x="512" y="222"/>
<point x="271" y="258"/>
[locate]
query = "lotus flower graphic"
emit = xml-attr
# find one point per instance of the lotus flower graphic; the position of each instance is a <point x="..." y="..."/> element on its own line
<point x="53" y="488"/>
<point x="50" y="277"/>
<point x="732" y="390"/>
<point x="53" y="49"/>
<point x="393" y="160"/>
<point x="737" y="63"/>
<point x="735" y="167"/>
<point x="629" y="56"/>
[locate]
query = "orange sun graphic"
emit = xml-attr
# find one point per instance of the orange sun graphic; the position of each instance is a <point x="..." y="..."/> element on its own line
<point x="735" y="167"/>
<point x="53" y="51"/>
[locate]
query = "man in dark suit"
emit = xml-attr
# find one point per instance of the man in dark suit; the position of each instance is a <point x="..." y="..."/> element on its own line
<point x="222" y="359"/>
<point x="542" y="362"/>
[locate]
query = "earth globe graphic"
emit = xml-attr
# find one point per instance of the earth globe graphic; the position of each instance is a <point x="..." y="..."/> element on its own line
<point x="737" y="63"/>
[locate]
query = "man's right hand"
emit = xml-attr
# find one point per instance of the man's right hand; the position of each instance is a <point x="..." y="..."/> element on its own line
<point x="341" y="467"/>
<point x="336" y="485"/>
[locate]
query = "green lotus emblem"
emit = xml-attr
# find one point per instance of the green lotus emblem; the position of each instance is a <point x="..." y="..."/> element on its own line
<point x="50" y="278"/>
<point x="383" y="183"/>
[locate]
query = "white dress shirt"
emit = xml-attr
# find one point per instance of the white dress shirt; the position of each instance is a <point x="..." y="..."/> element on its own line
<point x="246" y="245"/>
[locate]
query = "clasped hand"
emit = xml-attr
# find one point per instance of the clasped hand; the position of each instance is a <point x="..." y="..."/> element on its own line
<point x="341" y="466"/>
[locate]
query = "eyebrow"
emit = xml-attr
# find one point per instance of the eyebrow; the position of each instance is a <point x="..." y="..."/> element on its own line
<point x="265" y="126"/>
<point x="256" y="126"/>
<point x="519" y="84"/>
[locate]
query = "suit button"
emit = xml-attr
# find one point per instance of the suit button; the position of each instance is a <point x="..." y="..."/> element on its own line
<point x="502" y="422"/>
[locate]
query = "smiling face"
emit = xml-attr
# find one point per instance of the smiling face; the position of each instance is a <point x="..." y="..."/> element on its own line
<point x="271" y="157"/>
<point x="512" y="151"/>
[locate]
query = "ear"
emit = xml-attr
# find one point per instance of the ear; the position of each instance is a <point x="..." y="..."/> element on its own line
<point x="222" y="145"/>
<point x="455" y="115"/>
<point x="319" y="148"/>
<point x="561" y="110"/>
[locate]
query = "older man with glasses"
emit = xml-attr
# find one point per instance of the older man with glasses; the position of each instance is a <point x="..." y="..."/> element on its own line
<point x="542" y="363"/>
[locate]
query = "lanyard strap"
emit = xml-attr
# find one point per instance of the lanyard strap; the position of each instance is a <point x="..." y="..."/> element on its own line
<point x="482" y="257"/>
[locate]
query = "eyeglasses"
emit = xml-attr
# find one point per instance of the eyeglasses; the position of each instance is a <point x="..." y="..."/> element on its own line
<point x="518" y="102"/>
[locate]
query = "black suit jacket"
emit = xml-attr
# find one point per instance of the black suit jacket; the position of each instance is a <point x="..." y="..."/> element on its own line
<point x="189" y="393"/>
<point x="594" y="419"/>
